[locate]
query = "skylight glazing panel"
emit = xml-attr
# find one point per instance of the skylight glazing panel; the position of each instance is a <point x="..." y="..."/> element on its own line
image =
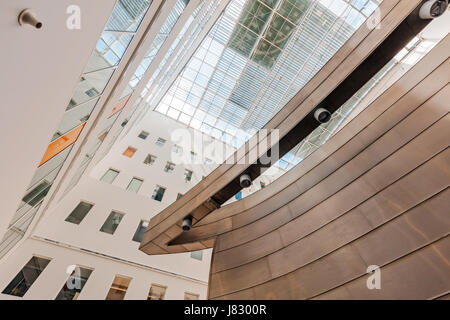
<point x="156" y="45"/>
<point x="127" y="15"/>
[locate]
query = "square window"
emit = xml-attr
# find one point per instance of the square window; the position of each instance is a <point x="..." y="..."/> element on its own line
<point x="129" y="152"/>
<point x="118" y="288"/>
<point x="198" y="255"/>
<point x="140" y="231"/>
<point x="179" y="195"/>
<point x="169" y="167"/>
<point x="143" y="135"/>
<point x="160" y="142"/>
<point x="158" y="193"/>
<point x="110" y="176"/>
<point x="26" y="277"/>
<point x="80" y="211"/>
<point x="112" y="222"/>
<point x="191" y="296"/>
<point x="187" y="175"/>
<point x="156" y="292"/>
<point x="177" y="149"/>
<point x="135" y="184"/>
<point x="91" y="92"/>
<point x="38" y="193"/>
<point x="149" y="159"/>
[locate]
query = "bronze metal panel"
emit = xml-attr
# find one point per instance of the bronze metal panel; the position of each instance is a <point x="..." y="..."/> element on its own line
<point x="444" y="297"/>
<point x="252" y="231"/>
<point x="347" y="263"/>
<point x="315" y="195"/>
<point x="409" y="102"/>
<point x="317" y="244"/>
<point x="420" y="275"/>
<point x="241" y="278"/>
<point x="247" y="252"/>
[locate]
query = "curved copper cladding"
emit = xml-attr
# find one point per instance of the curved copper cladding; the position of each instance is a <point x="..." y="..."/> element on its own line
<point x="375" y="194"/>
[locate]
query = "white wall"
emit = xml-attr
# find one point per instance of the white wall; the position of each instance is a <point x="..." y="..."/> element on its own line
<point x="120" y="255"/>
<point x="54" y="276"/>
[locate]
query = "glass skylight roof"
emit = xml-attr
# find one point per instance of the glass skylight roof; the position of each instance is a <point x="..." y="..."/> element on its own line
<point x="257" y="56"/>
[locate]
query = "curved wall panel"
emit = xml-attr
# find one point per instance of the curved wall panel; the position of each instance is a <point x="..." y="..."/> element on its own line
<point x="375" y="194"/>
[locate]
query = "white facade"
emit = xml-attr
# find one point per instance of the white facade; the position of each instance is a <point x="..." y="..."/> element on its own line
<point x="66" y="243"/>
<point x="108" y="255"/>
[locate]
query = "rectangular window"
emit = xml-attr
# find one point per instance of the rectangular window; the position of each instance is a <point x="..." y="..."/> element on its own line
<point x="143" y="135"/>
<point x="26" y="277"/>
<point x="179" y="195"/>
<point x="73" y="286"/>
<point x="37" y="193"/>
<point x="110" y="176"/>
<point x="191" y="296"/>
<point x="160" y="142"/>
<point x="177" y="149"/>
<point x="169" y="167"/>
<point x="208" y="161"/>
<point x="193" y="156"/>
<point x="129" y="152"/>
<point x="72" y="103"/>
<point x="140" y="231"/>
<point x="118" y="288"/>
<point x="112" y="222"/>
<point x="80" y="211"/>
<point x="156" y="292"/>
<point x="262" y="184"/>
<point x="187" y="175"/>
<point x="91" y="92"/>
<point x="198" y="255"/>
<point x="135" y="184"/>
<point x="149" y="160"/>
<point x="158" y="193"/>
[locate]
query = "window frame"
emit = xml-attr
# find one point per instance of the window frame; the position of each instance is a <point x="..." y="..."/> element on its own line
<point x="131" y="181"/>
<point x="122" y="215"/>
<point x="155" y="192"/>
<point x="81" y="201"/>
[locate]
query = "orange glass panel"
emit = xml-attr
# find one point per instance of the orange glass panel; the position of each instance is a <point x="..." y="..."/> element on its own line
<point x="119" y="105"/>
<point x="102" y="136"/>
<point x="61" y="143"/>
<point x="129" y="152"/>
